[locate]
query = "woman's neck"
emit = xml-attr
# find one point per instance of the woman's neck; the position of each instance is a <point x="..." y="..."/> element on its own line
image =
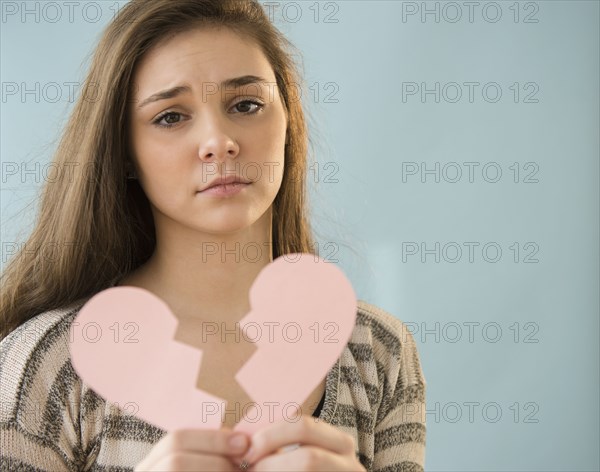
<point x="206" y="277"/>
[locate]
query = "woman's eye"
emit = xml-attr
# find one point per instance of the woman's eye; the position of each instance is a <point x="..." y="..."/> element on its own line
<point x="169" y="123"/>
<point x="245" y="107"/>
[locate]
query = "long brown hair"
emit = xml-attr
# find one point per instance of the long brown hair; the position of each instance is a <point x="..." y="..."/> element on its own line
<point x="99" y="222"/>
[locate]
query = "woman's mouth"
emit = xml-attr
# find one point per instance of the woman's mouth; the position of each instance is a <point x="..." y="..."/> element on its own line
<point x="224" y="190"/>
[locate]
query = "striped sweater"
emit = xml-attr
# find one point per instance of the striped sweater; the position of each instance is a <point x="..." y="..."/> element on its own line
<point x="51" y="421"/>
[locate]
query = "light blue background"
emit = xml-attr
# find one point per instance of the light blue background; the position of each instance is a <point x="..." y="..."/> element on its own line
<point x="373" y="208"/>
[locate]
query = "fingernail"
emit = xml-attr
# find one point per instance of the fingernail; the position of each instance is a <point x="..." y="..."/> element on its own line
<point x="248" y="457"/>
<point x="291" y="447"/>
<point x="238" y="442"/>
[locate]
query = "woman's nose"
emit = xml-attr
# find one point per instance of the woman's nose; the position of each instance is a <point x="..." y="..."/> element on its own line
<point x="217" y="143"/>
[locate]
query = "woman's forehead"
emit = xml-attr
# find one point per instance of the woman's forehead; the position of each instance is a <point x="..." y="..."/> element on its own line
<point x="203" y="55"/>
<point x="204" y="47"/>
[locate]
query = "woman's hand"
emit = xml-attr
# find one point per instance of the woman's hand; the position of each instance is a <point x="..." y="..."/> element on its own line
<point x="195" y="450"/>
<point x="322" y="447"/>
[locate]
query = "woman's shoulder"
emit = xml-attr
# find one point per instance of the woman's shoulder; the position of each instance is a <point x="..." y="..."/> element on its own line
<point x="40" y="331"/>
<point x="380" y="318"/>
<point x="389" y="339"/>
<point x="388" y="329"/>
<point x="34" y="358"/>
<point x="50" y="420"/>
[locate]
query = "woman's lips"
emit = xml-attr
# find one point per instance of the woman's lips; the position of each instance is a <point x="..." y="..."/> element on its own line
<point x="225" y="189"/>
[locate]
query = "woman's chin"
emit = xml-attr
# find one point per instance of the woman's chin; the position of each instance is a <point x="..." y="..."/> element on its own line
<point x="224" y="226"/>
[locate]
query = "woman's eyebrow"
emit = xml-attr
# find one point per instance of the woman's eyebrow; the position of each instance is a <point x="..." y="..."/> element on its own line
<point x="184" y="88"/>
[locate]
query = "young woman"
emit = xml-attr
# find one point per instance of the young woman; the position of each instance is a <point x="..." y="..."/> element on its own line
<point x="188" y="142"/>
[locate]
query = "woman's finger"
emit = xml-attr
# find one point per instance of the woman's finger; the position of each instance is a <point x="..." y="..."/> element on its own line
<point x="193" y="462"/>
<point x="238" y="458"/>
<point x="304" y="458"/>
<point x="198" y="441"/>
<point x="306" y="431"/>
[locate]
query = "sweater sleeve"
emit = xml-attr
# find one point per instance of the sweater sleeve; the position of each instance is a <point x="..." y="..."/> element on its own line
<point x="39" y="398"/>
<point x="400" y="424"/>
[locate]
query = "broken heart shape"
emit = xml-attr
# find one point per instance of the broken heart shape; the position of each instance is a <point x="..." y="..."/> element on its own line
<point x="303" y="310"/>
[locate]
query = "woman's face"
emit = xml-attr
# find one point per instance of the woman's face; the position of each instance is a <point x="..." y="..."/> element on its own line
<point x="183" y="140"/>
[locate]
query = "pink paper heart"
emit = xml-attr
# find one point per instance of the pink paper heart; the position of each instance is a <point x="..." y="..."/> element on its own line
<point x="303" y="311"/>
